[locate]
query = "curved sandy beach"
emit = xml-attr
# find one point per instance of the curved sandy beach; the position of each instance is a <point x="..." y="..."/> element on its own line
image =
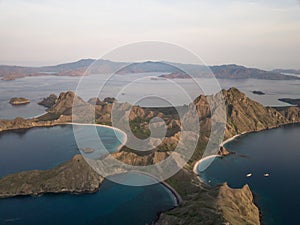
<point x="214" y="156"/>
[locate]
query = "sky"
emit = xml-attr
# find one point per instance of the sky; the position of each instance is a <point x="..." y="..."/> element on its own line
<point x="255" y="33"/>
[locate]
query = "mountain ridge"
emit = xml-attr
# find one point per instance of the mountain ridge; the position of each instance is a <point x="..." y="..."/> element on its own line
<point x="201" y="204"/>
<point x="102" y="66"/>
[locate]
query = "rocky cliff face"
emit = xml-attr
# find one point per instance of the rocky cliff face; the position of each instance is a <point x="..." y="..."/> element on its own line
<point x="233" y="202"/>
<point x="246" y="115"/>
<point x="292" y="113"/>
<point x="219" y="205"/>
<point x="243" y="114"/>
<point x="74" y="176"/>
<point x="49" y="101"/>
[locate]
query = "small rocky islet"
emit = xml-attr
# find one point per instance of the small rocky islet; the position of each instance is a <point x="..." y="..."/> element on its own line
<point x="19" y="101"/>
<point x="258" y="92"/>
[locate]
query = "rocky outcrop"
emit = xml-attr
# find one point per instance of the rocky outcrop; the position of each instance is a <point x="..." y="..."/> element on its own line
<point x="49" y="101"/>
<point x="109" y="100"/>
<point x="246" y="115"/>
<point x="292" y="113"/>
<point x="96" y="101"/>
<point x="70" y="107"/>
<point x="19" y="101"/>
<point x="233" y="202"/>
<point x="218" y="205"/>
<point x="223" y="151"/>
<point x="74" y="176"/>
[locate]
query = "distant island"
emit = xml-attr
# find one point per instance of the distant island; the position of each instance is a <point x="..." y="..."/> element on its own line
<point x="288" y="71"/>
<point x="170" y="70"/>
<point x="292" y="101"/>
<point x="19" y="101"/>
<point x="175" y="75"/>
<point x="258" y="93"/>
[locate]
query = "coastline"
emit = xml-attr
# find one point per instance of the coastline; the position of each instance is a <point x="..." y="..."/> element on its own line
<point x="196" y="165"/>
<point x="61" y="121"/>
<point x="177" y="197"/>
<point x="123" y="142"/>
<point x="200" y="161"/>
<point x="232" y="139"/>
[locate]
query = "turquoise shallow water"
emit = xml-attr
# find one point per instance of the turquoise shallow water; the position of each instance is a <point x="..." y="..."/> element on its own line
<point x="113" y="204"/>
<point x="275" y="152"/>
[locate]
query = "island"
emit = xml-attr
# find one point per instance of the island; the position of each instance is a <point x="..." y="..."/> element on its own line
<point x="170" y="70"/>
<point x="258" y="92"/>
<point x="19" y="101"/>
<point x="176" y="75"/>
<point x="287" y="71"/>
<point x="201" y="203"/>
<point x="292" y="101"/>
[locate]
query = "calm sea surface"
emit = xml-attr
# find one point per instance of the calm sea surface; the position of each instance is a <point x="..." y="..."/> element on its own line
<point x="113" y="204"/>
<point x="275" y="152"/>
<point x="129" y="88"/>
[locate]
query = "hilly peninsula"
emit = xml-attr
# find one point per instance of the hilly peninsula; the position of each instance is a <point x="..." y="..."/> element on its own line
<point x="74" y="176"/>
<point x="201" y="204"/>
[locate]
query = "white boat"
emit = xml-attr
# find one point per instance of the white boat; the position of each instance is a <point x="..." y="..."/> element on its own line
<point x="266" y="174"/>
<point x="249" y="175"/>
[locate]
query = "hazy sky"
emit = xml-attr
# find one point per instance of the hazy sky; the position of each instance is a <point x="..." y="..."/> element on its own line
<point x="256" y="33"/>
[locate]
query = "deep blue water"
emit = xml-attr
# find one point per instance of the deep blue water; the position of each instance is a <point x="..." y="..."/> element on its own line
<point x="276" y="152"/>
<point x="113" y="204"/>
<point x="44" y="148"/>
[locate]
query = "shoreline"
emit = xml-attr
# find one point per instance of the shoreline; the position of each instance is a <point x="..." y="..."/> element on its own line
<point x="177" y="197"/>
<point x="232" y="139"/>
<point x="200" y="161"/>
<point x="123" y="142"/>
<point x="255" y="196"/>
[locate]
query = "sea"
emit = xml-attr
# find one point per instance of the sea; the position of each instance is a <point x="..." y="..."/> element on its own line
<point x="268" y="161"/>
<point x="272" y="152"/>
<point x="114" y="203"/>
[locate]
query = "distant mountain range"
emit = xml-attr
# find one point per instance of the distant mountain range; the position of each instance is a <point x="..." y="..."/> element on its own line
<point x="168" y="70"/>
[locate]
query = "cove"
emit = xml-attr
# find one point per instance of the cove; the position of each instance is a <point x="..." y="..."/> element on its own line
<point x="113" y="204"/>
<point x="275" y="152"/>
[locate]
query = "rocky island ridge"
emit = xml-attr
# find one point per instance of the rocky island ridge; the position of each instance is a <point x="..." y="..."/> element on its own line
<point x="243" y="115"/>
